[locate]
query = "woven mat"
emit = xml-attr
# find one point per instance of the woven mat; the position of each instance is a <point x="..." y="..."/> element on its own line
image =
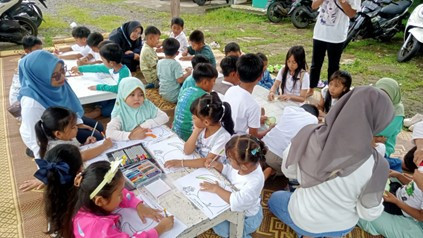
<point x="21" y="214"/>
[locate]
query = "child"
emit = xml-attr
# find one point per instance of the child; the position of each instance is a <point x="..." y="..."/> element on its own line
<point x="230" y="77"/>
<point x="204" y="76"/>
<point x="244" y="171"/>
<point x="57" y="171"/>
<point x="198" y="47"/>
<point x="246" y="111"/>
<point x="111" y="54"/>
<point x="292" y="120"/>
<point x="232" y="49"/>
<point x="93" y="57"/>
<point x="133" y="114"/>
<point x="190" y="82"/>
<point x="148" y="61"/>
<point x="213" y="127"/>
<point x="177" y="25"/>
<point x="81" y="49"/>
<point x="100" y="191"/>
<point x="404" y="198"/>
<point x="266" y="81"/>
<point x="29" y="43"/>
<point x="339" y="85"/>
<point x="293" y="79"/>
<point x="170" y="72"/>
<point x="58" y="126"/>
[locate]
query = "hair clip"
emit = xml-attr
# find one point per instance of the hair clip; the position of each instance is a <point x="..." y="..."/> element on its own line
<point x="108" y="177"/>
<point x="254" y="152"/>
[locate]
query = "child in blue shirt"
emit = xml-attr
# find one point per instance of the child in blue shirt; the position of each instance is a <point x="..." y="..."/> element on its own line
<point x="111" y="54"/>
<point x="198" y="47"/>
<point x="266" y="81"/>
<point x="170" y="72"/>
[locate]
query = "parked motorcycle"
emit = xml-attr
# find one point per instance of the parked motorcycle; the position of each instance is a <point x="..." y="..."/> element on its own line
<point x="31" y="10"/>
<point x="378" y="19"/>
<point x="278" y="9"/>
<point x="14" y="28"/>
<point x="302" y="14"/>
<point x="413" y="37"/>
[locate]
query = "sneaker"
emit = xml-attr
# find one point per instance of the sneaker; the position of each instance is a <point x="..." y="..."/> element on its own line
<point x="29" y="153"/>
<point x="411" y="121"/>
<point x="321" y="84"/>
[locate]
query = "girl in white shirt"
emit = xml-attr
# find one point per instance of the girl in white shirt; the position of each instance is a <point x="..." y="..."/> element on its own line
<point x="339" y="85"/>
<point x="245" y="153"/>
<point x="292" y="79"/>
<point x="213" y="127"/>
<point x="58" y="126"/>
<point x="133" y="114"/>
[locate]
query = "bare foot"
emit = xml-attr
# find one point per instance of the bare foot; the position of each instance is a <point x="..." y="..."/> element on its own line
<point x="310" y="92"/>
<point x="268" y="172"/>
<point x="94" y="113"/>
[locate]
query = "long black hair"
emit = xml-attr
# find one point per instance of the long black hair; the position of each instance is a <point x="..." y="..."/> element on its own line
<point x="299" y="56"/>
<point x="211" y="107"/>
<point x="92" y="176"/>
<point x="53" y="119"/>
<point x="345" y="78"/>
<point x="60" y="198"/>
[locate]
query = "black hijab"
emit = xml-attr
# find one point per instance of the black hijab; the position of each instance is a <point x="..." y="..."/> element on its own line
<point x="121" y="36"/>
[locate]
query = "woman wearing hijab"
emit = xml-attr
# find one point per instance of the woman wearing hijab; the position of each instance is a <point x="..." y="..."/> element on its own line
<point x="133" y="115"/>
<point x="42" y="76"/>
<point x="342" y="177"/>
<point x="128" y="37"/>
<point x="389" y="135"/>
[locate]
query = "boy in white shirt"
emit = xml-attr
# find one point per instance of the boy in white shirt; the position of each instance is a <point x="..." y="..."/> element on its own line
<point x="177" y="25"/>
<point x="80" y="48"/>
<point x="246" y="112"/>
<point x="93" y="57"/>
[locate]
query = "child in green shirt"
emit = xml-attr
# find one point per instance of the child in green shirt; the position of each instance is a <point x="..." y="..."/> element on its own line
<point x="198" y="47"/>
<point x="111" y="54"/>
<point x="205" y="76"/>
<point x="148" y="62"/>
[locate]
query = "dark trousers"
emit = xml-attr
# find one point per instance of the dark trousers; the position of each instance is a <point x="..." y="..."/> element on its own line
<point x="83" y="134"/>
<point x="390" y="207"/>
<point x="319" y="51"/>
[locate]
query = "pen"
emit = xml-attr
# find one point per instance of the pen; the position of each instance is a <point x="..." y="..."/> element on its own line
<point x="92" y="133"/>
<point x="217" y="156"/>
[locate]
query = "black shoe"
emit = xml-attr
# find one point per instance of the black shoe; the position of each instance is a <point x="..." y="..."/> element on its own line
<point x="29" y="153"/>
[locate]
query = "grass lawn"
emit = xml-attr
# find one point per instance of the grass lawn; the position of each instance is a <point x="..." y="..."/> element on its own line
<point x="366" y="60"/>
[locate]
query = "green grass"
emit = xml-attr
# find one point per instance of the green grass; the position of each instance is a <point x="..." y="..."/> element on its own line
<point x="51" y="27"/>
<point x="369" y="59"/>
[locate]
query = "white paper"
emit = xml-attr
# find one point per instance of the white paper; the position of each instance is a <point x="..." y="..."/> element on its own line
<point x="131" y="223"/>
<point x="169" y="149"/>
<point x="158" y="188"/>
<point x="209" y="203"/>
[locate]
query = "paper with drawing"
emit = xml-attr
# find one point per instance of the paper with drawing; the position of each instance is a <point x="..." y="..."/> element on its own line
<point x="209" y="203"/>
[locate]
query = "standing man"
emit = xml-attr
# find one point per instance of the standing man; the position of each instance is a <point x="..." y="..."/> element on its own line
<point x="330" y="33"/>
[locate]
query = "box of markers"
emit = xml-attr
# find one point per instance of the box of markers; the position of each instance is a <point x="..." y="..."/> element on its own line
<point x="138" y="166"/>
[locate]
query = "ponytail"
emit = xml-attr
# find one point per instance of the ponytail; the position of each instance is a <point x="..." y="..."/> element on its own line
<point x="227" y="121"/>
<point x="248" y="148"/>
<point x="41" y="138"/>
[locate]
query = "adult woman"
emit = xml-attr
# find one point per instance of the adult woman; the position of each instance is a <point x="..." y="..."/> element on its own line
<point x="42" y="76"/>
<point x="128" y="37"/>
<point x="389" y="135"/>
<point x="342" y="177"/>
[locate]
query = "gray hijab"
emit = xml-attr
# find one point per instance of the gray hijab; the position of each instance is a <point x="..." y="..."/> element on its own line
<point x="343" y="143"/>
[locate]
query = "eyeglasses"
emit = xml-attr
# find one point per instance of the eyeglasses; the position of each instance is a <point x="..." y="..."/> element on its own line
<point x="58" y="75"/>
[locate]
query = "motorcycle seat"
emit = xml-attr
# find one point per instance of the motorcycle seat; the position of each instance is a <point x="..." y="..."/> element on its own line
<point x="394" y="9"/>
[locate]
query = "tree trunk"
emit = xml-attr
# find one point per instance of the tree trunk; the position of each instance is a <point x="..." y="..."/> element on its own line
<point x="175" y="8"/>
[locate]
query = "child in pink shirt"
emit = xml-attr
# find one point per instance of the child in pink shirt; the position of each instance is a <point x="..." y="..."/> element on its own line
<point x="101" y="191"/>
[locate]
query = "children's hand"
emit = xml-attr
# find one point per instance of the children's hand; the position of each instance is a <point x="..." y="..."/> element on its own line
<point x="175" y="163"/>
<point x="188" y="70"/>
<point x="394" y="174"/>
<point x="82" y="61"/>
<point x="389" y="197"/>
<point x="165" y="224"/>
<point x="209" y="187"/>
<point x="138" y="133"/>
<point x="185" y="53"/>
<point x="185" y="58"/>
<point x="271" y="96"/>
<point x="159" y="49"/>
<point x="284" y="97"/>
<point x="148" y="212"/>
<point x="94" y="88"/>
<point x="136" y="56"/>
<point x="379" y="139"/>
<point x="75" y="71"/>
<point x="108" y="143"/>
<point x="90" y="139"/>
<point x="209" y="163"/>
<point x="128" y="52"/>
<point x="31" y="184"/>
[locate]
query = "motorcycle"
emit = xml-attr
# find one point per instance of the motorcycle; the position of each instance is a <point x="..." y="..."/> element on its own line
<point x="278" y="9"/>
<point x="31" y="10"/>
<point x="14" y="28"/>
<point x="378" y="19"/>
<point x="413" y="37"/>
<point x="302" y="14"/>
